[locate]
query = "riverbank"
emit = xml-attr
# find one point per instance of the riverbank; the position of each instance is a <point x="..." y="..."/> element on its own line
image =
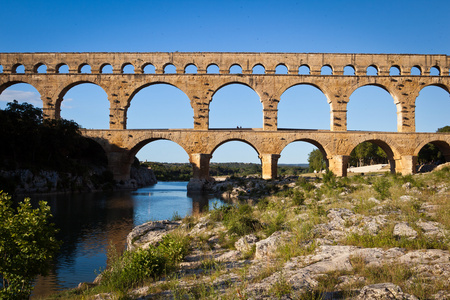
<point x="377" y="237"/>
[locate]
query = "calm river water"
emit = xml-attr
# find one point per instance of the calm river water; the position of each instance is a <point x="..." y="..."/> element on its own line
<point x="90" y="224"/>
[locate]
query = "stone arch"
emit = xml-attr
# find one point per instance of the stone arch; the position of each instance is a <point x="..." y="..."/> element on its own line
<point x="258" y="69"/>
<point x="443" y="146"/>
<point x="349" y="70"/>
<point x="162" y="89"/>
<point x="395" y="70"/>
<point x="61" y="66"/>
<point x="435" y="71"/>
<point x="429" y="106"/>
<point x="326" y="69"/>
<point x="17" y="69"/>
<point x="142" y="143"/>
<point x="20" y="95"/>
<point x="238" y="112"/>
<point x="284" y="115"/>
<point x="313" y="142"/>
<point x="104" y="68"/>
<point x="38" y="68"/>
<point x="148" y="68"/>
<point x="384" y="111"/>
<point x="211" y="69"/>
<point x="281" y="69"/>
<point x="372" y="70"/>
<point x="127" y="68"/>
<point x="84" y="68"/>
<point x="304" y="70"/>
<point x="385" y="144"/>
<point x="1" y="68"/>
<point x="416" y="70"/>
<point x="232" y="139"/>
<point x="67" y="87"/>
<point x="190" y="68"/>
<point x="169" y="68"/>
<point x="235" y="69"/>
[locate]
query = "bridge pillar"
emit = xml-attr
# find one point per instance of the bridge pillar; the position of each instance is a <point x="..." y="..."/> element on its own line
<point x="269" y="164"/>
<point x="119" y="163"/>
<point x="338" y="100"/>
<point x="338" y="165"/>
<point x="406" y="164"/>
<point x="49" y="110"/>
<point x="200" y="165"/>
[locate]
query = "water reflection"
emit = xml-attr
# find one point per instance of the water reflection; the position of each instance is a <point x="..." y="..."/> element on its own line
<point x="90" y="224"/>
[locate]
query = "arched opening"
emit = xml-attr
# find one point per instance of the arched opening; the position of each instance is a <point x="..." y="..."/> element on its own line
<point x="235" y="105"/>
<point x="170" y="69"/>
<point x="326" y="70"/>
<point x="85" y="69"/>
<point x="163" y="151"/>
<point x="416" y="71"/>
<point x="394" y="71"/>
<point x="106" y="69"/>
<point x="18" y="69"/>
<point x="432" y="107"/>
<point x="281" y="69"/>
<point x="372" y="71"/>
<point x="235" y="151"/>
<point x="190" y="69"/>
<point x="435" y="71"/>
<point x="304" y="70"/>
<point x="371" y="108"/>
<point x="41" y="68"/>
<point x="349" y="70"/>
<point x="160" y="106"/>
<point x="213" y="69"/>
<point x="235" y="69"/>
<point x="303" y="106"/>
<point x="128" y="69"/>
<point x="62" y="69"/>
<point x="259" y="69"/>
<point x="149" y="69"/>
<point x="87" y="104"/>
<point x="371" y="156"/>
<point x="1" y="69"/>
<point x="22" y="92"/>
<point x="307" y="155"/>
<point x="433" y="154"/>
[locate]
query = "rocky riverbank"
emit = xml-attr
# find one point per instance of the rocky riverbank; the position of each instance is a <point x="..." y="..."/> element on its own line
<point x="25" y="181"/>
<point x="365" y="237"/>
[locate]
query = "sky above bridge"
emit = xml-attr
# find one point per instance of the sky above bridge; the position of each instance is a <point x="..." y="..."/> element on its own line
<point x="384" y="26"/>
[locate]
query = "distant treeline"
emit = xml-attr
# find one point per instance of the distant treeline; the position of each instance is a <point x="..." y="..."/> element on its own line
<point x="183" y="171"/>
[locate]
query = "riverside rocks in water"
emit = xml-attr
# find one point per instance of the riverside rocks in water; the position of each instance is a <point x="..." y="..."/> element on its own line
<point x="96" y="179"/>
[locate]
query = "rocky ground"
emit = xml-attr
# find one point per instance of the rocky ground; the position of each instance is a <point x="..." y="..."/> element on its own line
<point x="376" y="237"/>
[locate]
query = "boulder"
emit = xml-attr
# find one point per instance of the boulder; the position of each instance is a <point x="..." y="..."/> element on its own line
<point x="383" y="291"/>
<point x="245" y="243"/>
<point x="150" y="233"/>
<point x="267" y="247"/>
<point x="404" y="230"/>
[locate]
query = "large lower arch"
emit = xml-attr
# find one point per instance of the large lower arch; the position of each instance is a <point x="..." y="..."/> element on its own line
<point x="372" y="107"/>
<point x="441" y="146"/>
<point x="391" y="155"/>
<point x="235" y="105"/>
<point x="287" y="155"/>
<point x="86" y="103"/>
<point x="303" y="100"/>
<point x="159" y="105"/>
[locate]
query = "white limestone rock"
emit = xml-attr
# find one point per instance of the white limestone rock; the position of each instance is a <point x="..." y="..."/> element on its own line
<point x="150" y="233"/>
<point x="404" y="230"/>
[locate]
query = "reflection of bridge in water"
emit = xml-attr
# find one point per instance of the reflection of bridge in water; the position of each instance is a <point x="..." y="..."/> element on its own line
<point x="402" y="147"/>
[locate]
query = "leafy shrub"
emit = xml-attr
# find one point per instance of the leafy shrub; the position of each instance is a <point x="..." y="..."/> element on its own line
<point x="381" y="186"/>
<point x="305" y="184"/>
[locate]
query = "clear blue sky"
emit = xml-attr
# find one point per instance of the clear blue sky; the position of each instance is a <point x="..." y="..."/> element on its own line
<point x="232" y="26"/>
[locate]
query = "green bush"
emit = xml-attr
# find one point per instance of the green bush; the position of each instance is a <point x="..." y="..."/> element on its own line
<point x="381" y="186"/>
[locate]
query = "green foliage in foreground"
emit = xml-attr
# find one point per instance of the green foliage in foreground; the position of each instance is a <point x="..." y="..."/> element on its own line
<point x="134" y="268"/>
<point x="27" y="245"/>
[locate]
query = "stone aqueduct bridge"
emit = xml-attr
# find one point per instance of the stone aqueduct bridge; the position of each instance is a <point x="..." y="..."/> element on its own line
<point x="121" y="144"/>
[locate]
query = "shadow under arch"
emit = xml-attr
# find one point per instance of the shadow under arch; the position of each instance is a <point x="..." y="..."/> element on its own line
<point x="320" y="110"/>
<point x="315" y="143"/>
<point x="442" y="146"/>
<point x="233" y="91"/>
<point x="391" y="153"/>
<point x="184" y="109"/>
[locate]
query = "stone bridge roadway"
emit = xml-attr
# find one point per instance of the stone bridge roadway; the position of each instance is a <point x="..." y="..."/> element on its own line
<point x="402" y="149"/>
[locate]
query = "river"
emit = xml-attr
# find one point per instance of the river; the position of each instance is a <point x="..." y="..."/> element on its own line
<point x="92" y="223"/>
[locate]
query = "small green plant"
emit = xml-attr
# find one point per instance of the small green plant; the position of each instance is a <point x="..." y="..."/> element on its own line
<point x="382" y="186"/>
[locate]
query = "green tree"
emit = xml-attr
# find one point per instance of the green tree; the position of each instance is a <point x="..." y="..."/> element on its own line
<point x="316" y="160"/>
<point x="367" y="153"/>
<point x="27" y="245"/>
<point x="430" y="153"/>
<point x="444" y="129"/>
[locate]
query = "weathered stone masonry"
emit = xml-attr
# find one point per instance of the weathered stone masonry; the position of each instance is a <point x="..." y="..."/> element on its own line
<point x="121" y="144"/>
